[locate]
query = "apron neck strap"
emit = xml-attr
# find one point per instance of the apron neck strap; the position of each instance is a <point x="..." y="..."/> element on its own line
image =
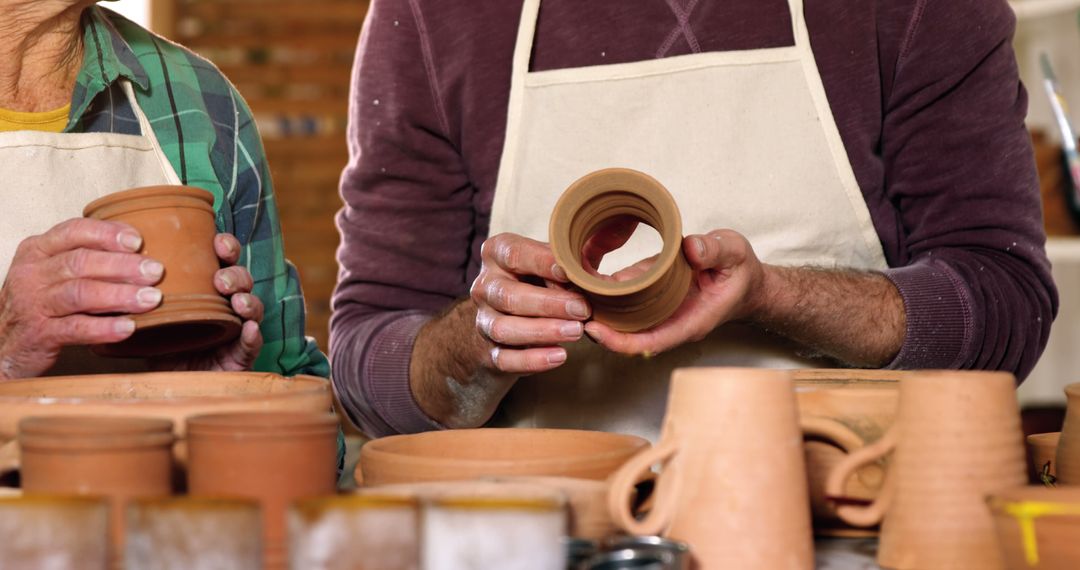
<point x="148" y="133"/>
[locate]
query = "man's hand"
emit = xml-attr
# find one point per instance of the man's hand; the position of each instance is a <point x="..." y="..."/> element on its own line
<point x="236" y="283"/>
<point x="466" y="360"/>
<point x="60" y="284"/>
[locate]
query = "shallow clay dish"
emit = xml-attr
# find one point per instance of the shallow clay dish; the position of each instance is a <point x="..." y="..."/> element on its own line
<point x="598" y="198"/>
<point x="169" y="395"/>
<point x="491" y="452"/>
<point x="178" y="229"/>
<point x="1052" y="519"/>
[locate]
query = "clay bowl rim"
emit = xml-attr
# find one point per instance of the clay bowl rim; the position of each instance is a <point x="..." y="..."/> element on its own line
<point x="374" y="447"/>
<point x="143" y="192"/>
<point x="672" y="236"/>
<point x="93" y="426"/>
<point x="251" y="423"/>
<point x="1040" y="494"/>
<point x="317" y="385"/>
<point x="314" y="507"/>
<point x="1045" y="437"/>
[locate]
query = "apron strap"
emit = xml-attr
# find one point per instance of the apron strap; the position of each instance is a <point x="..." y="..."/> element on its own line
<point x="148" y="133"/>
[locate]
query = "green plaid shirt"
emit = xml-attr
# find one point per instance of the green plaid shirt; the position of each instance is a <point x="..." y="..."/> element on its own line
<point x="209" y="136"/>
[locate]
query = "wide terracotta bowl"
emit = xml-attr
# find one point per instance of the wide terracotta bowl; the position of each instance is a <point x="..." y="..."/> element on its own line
<point x="860" y="405"/>
<point x="1038" y="526"/>
<point x="491" y="452"/>
<point x="169" y="395"/>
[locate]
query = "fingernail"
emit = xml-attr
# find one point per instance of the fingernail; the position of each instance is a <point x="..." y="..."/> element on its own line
<point x="495" y="356"/>
<point x="571" y="330"/>
<point x="700" y="245"/>
<point x="151" y="269"/>
<point x="124" y="326"/>
<point x="557" y="357"/>
<point x="559" y="273"/>
<point x="129" y="240"/>
<point x="244" y="301"/>
<point x="149" y="296"/>
<point x="593" y="334"/>
<point x="226" y="281"/>
<point x="577" y="309"/>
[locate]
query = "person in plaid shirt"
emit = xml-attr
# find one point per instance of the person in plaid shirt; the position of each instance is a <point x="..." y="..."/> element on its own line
<point x="91" y="103"/>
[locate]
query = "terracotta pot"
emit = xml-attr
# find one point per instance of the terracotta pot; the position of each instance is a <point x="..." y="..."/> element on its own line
<point x="1042" y="451"/>
<point x="841" y="411"/>
<point x="182" y="533"/>
<point x="494" y="452"/>
<point x="169" y="395"/>
<point x="61" y="532"/>
<point x="373" y="531"/>
<point x="957" y="439"/>
<point x="593" y="201"/>
<point x="733" y="480"/>
<point x="1037" y="527"/>
<point x="178" y="229"/>
<point x="274" y="458"/>
<point x="1068" y="451"/>
<point x="117" y="458"/>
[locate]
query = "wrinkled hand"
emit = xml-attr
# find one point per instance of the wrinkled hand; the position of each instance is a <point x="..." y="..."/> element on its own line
<point x="524" y="320"/>
<point x="62" y="283"/>
<point x="234" y="281"/>
<point x="727" y="285"/>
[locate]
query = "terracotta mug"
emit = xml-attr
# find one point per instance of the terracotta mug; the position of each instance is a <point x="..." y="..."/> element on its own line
<point x="178" y="229"/>
<point x="113" y="457"/>
<point x="597" y="199"/>
<point x="733" y="478"/>
<point x="1042" y="450"/>
<point x="957" y="439"/>
<point x="274" y="458"/>
<point x="1068" y="450"/>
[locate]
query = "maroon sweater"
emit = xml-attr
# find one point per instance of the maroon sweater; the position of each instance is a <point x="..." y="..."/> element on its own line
<point x="925" y="93"/>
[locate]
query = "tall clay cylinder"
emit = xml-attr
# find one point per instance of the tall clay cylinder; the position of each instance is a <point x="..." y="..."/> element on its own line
<point x="274" y="458"/>
<point x="1068" y="449"/>
<point x="177" y="226"/>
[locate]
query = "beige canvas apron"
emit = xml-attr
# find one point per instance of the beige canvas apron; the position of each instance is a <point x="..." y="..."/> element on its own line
<point x="743" y="140"/>
<point x="49" y="177"/>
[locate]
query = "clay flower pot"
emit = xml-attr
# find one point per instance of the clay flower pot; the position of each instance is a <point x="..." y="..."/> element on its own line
<point x="1037" y="527"/>
<point x="957" y="439"/>
<point x="1068" y="451"/>
<point x="274" y="458"/>
<point x="732" y="482"/>
<point x="117" y="458"/>
<point x="494" y="452"/>
<point x="177" y="227"/>
<point x="1042" y="451"/>
<point x="593" y="201"/>
<point x="367" y="531"/>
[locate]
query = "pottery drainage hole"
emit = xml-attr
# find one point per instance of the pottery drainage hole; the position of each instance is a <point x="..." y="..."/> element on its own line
<point x="620" y="236"/>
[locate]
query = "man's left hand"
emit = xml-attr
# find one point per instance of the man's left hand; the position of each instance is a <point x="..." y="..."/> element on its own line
<point x="234" y="282"/>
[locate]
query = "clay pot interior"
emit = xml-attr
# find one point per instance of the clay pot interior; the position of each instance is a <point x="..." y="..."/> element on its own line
<point x="1052" y="515"/>
<point x="178" y="229"/>
<point x="493" y="452"/>
<point x="1042" y="451"/>
<point x="598" y="199"/>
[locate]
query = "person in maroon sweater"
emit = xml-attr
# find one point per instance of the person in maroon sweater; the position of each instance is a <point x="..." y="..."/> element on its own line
<point x="763" y="118"/>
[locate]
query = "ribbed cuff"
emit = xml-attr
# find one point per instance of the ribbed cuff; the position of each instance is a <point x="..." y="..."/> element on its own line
<point x="386" y="376"/>
<point x="938" y="311"/>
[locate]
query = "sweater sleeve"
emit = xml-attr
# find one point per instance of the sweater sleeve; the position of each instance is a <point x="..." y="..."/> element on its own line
<point x="406" y="223"/>
<point x="959" y="167"/>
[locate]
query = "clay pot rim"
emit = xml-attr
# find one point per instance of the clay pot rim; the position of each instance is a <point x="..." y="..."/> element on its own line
<point x="317" y="506"/>
<point x="148" y="192"/>
<point x="317" y="385"/>
<point x="190" y="502"/>
<point x="672" y="236"/>
<point x="272" y="423"/>
<point x="1036" y="495"/>
<point x="56" y="499"/>
<point x="375" y="447"/>
<point x="88" y="427"/>
<point x="1047" y="437"/>
<point x="532" y="504"/>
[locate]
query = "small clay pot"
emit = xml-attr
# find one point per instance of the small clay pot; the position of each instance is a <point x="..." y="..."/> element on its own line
<point x="1037" y="527"/>
<point x="1042" y="451"/>
<point x="117" y="458"/>
<point x="1068" y="451"/>
<point x="177" y="227"/>
<point x="494" y="452"/>
<point x="274" y="458"/>
<point x="593" y="201"/>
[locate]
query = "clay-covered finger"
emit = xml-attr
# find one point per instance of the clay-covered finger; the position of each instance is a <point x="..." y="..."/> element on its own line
<point x="527" y="361"/>
<point x="235" y="279"/>
<point x="87" y="330"/>
<point x="525" y="300"/>
<point x="97" y="297"/>
<point x="227" y="248"/>
<point x="86" y="233"/>
<point x="522" y="256"/>
<point x="247" y="306"/>
<point x="526" y="331"/>
<point x="109" y="266"/>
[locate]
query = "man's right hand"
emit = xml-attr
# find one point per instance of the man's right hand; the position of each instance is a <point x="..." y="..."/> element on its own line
<point x="61" y="282"/>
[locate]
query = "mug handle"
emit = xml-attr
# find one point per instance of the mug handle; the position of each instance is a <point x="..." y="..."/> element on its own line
<point x="626" y="478"/>
<point x="871" y="514"/>
<point x="10" y="458"/>
<point x="832" y="430"/>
